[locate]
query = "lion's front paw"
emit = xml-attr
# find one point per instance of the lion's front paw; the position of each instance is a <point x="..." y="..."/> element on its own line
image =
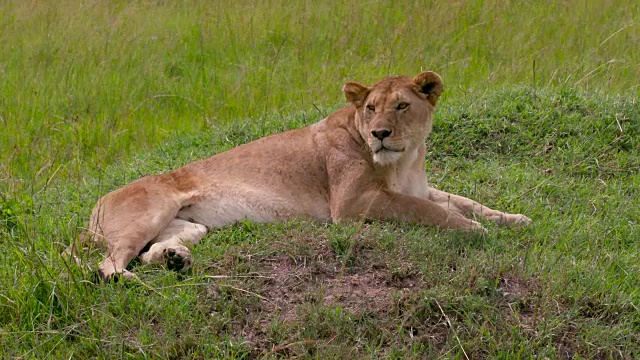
<point x="178" y="258"/>
<point x="114" y="276"/>
<point x="518" y="220"/>
<point x="477" y="228"/>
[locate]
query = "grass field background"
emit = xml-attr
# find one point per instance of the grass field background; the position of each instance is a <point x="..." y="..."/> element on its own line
<point x="540" y="116"/>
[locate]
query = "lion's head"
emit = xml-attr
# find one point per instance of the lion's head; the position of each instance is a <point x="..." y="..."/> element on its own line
<point x="395" y="115"/>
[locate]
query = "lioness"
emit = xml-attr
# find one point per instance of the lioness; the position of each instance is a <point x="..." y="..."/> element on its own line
<point x="366" y="161"/>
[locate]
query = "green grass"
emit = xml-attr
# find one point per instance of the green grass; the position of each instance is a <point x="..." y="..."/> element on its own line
<point x="82" y="84"/>
<point x="566" y="286"/>
<point x="540" y="116"/>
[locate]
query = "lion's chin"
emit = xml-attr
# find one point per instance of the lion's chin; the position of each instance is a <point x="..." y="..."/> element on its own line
<point x="386" y="157"/>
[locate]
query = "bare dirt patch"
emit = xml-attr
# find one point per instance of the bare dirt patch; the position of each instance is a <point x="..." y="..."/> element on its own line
<point x="358" y="290"/>
<point x="273" y="298"/>
<point x="520" y="298"/>
<point x="513" y="287"/>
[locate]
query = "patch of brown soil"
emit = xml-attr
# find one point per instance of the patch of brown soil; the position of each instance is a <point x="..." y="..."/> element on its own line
<point x="513" y="287"/>
<point x="281" y="286"/>
<point x="520" y="298"/>
<point x="357" y="290"/>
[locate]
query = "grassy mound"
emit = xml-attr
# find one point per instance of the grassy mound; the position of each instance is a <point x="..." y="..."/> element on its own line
<point x="566" y="286"/>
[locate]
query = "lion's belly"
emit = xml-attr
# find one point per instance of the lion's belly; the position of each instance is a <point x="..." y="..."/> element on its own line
<point x="225" y="207"/>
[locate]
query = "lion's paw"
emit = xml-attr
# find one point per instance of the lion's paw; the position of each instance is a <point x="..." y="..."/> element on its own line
<point x="178" y="258"/>
<point x="519" y="220"/>
<point x="115" y="276"/>
<point x="478" y="228"/>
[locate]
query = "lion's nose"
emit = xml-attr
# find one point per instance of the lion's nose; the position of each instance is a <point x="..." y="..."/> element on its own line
<point x="380" y="134"/>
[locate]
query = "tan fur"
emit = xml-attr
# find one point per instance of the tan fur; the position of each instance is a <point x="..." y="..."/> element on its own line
<point x="364" y="161"/>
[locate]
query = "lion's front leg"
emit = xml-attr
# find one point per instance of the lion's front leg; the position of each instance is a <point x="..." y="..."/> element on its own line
<point x="468" y="207"/>
<point x="390" y="205"/>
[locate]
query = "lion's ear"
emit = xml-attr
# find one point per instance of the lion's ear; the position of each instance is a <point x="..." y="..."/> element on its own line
<point x="430" y="84"/>
<point x="355" y="93"/>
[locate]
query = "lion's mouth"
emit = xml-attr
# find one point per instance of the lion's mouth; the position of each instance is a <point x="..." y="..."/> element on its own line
<point x="382" y="148"/>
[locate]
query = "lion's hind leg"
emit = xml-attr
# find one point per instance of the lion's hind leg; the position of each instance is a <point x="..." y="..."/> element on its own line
<point x="170" y="246"/>
<point x="127" y="219"/>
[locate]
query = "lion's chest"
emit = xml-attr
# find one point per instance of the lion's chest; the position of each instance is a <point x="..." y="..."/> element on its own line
<point x="409" y="178"/>
<point x="410" y="184"/>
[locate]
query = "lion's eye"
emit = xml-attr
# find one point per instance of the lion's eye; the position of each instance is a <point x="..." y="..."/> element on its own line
<point x="371" y="107"/>
<point x="402" y="105"/>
